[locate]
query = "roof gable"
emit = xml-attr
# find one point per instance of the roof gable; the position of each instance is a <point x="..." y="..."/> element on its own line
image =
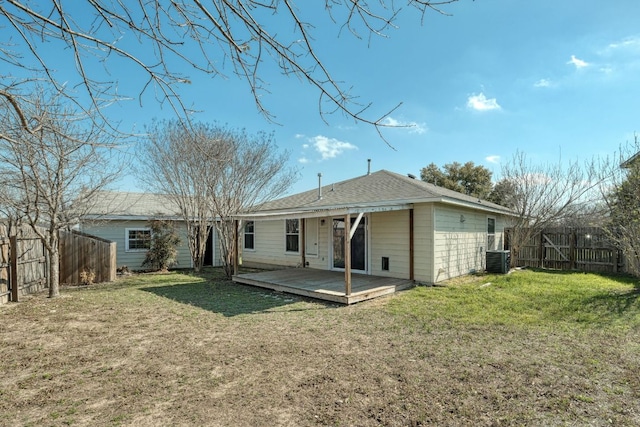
<point x="375" y="188"/>
<point x="627" y="164"/>
<point x="113" y="204"/>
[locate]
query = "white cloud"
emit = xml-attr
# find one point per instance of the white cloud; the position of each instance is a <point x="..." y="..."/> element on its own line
<point x="299" y="135"/>
<point x="305" y="145"/>
<point x="412" y="127"/>
<point x="542" y="83"/>
<point x="330" y="147"/>
<point x="480" y="102"/>
<point x="303" y="160"/>
<point x="493" y="159"/>
<point x="630" y="43"/>
<point x="579" y="63"/>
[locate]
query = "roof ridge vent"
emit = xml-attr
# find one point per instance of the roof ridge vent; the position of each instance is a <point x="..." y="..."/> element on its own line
<point x="412" y="176"/>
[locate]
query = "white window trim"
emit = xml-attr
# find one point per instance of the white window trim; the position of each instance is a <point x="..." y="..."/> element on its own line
<point x="244" y="248"/>
<point x="286" y="252"/>
<point x="126" y="238"/>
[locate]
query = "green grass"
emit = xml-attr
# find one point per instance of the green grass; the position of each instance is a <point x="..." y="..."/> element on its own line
<point x="527" y="298"/>
<point x="530" y="348"/>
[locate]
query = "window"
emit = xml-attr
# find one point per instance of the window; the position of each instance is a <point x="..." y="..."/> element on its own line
<point x="137" y="239"/>
<point x="249" y="235"/>
<point x="292" y="235"/>
<point x="491" y="234"/>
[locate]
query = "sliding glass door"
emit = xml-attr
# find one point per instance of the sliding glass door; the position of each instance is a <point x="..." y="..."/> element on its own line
<point x="358" y="245"/>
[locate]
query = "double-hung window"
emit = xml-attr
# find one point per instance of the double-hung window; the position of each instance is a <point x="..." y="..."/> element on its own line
<point x="249" y="235"/>
<point x="137" y="239"/>
<point x="491" y="234"/>
<point x="292" y="235"/>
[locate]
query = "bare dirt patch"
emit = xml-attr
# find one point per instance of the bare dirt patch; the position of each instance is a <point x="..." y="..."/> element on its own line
<point x="184" y="350"/>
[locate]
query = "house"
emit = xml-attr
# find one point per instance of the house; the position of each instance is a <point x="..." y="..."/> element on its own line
<point x="382" y="224"/>
<point x="627" y="164"/>
<point x="123" y="217"/>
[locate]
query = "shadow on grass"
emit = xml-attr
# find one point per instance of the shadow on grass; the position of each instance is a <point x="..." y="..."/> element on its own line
<point x="229" y="298"/>
<point x="620" y="304"/>
<point x="609" y="304"/>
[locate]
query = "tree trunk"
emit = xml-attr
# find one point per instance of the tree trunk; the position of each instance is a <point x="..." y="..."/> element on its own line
<point x="54" y="271"/>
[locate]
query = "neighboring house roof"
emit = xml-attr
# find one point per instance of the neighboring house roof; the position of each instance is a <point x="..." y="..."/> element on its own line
<point x="124" y="205"/>
<point x="382" y="190"/>
<point x="630" y="161"/>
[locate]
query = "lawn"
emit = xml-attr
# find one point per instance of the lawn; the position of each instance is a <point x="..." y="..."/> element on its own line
<point x="530" y="348"/>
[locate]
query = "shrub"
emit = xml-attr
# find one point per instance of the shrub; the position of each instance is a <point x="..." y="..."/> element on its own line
<point x="162" y="253"/>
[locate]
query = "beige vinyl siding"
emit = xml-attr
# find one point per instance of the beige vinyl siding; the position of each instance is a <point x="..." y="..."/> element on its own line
<point x="423" y="236"/>
<point x="389" y="237"/>
<point x="269" y="247"/>
<point x="116" y="231"/>
<point x="460" y="246"/>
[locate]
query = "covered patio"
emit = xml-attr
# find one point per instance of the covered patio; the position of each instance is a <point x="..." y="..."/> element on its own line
<point x="323" y="284"/>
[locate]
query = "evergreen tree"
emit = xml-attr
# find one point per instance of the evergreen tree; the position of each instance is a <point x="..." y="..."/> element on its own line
<point x="162" y="252"/>
<point x="467" y="179"/>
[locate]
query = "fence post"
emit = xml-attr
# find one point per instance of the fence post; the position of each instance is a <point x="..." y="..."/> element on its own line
<point x="573" y="241"/>
<point x="13" y="269"/>
<point x="542" y="250"/>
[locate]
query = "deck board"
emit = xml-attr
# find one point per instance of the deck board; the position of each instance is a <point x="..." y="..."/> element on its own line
<point x="324" y="285"/>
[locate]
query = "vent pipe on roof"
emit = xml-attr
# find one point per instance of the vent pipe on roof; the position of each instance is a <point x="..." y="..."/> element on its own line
<point x="368" y="166"/>
<point x="412" y="176"/>
<point x="319" y="186"/>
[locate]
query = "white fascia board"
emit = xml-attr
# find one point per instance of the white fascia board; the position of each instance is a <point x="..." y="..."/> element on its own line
<point x="476" y="206"/>
<point x="339" y="210"/>
<point x="95" y="217"/>
<point x="321" y="213"/>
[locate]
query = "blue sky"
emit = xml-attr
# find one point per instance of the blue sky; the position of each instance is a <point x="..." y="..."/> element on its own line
<point x="550" y="78"/>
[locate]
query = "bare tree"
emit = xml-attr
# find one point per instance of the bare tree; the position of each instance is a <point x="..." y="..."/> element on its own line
<point x="212" y="173"/>
<point x="252" y="173"/>
<point x="622" y="196"/>
<point x="180" y="162"/>
<point x="548" y="194"/>
<point x="54" y="166"/>
<point x="159" y="40"/>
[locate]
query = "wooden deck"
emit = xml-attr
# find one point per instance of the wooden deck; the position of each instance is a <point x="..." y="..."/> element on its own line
<point x="324" y="285"/>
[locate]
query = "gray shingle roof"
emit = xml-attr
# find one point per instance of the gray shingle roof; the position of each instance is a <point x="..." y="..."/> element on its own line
<point x="111" y="204"/>
<point x="379" y="187"/>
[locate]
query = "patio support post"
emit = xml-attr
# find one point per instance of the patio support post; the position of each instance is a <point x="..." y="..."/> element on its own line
<point x="236" y="239"/>
<point x="347" y="254"/>
<point x="303" y="241"/>
<point x="411" y="260"/>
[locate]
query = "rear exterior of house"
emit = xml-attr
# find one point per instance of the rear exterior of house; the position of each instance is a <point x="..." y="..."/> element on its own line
<point x="405" y="229"/>
<point x="132" y="237"/>
<point x="123" y="217"/>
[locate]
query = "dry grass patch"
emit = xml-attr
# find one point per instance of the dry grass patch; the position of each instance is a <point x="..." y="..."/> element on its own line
<point x="533" y="348"/>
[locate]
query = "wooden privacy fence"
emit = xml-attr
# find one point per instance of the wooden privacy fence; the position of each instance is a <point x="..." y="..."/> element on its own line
<point x="23" y="266"/>
<point x="24" y="262"/>
<point x="80" y="252"/>
<point x="565" y="248"/>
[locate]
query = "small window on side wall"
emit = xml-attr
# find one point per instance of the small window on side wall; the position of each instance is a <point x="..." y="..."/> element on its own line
<point x="137" y="239"/>
<point x="249" y="235"/>
<point x="292" y="235"/>
<point x="491" y="234"/>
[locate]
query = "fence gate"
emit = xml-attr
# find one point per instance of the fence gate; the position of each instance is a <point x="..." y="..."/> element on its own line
<point x="564" y="248"/>
<point x="29" y="270"/>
